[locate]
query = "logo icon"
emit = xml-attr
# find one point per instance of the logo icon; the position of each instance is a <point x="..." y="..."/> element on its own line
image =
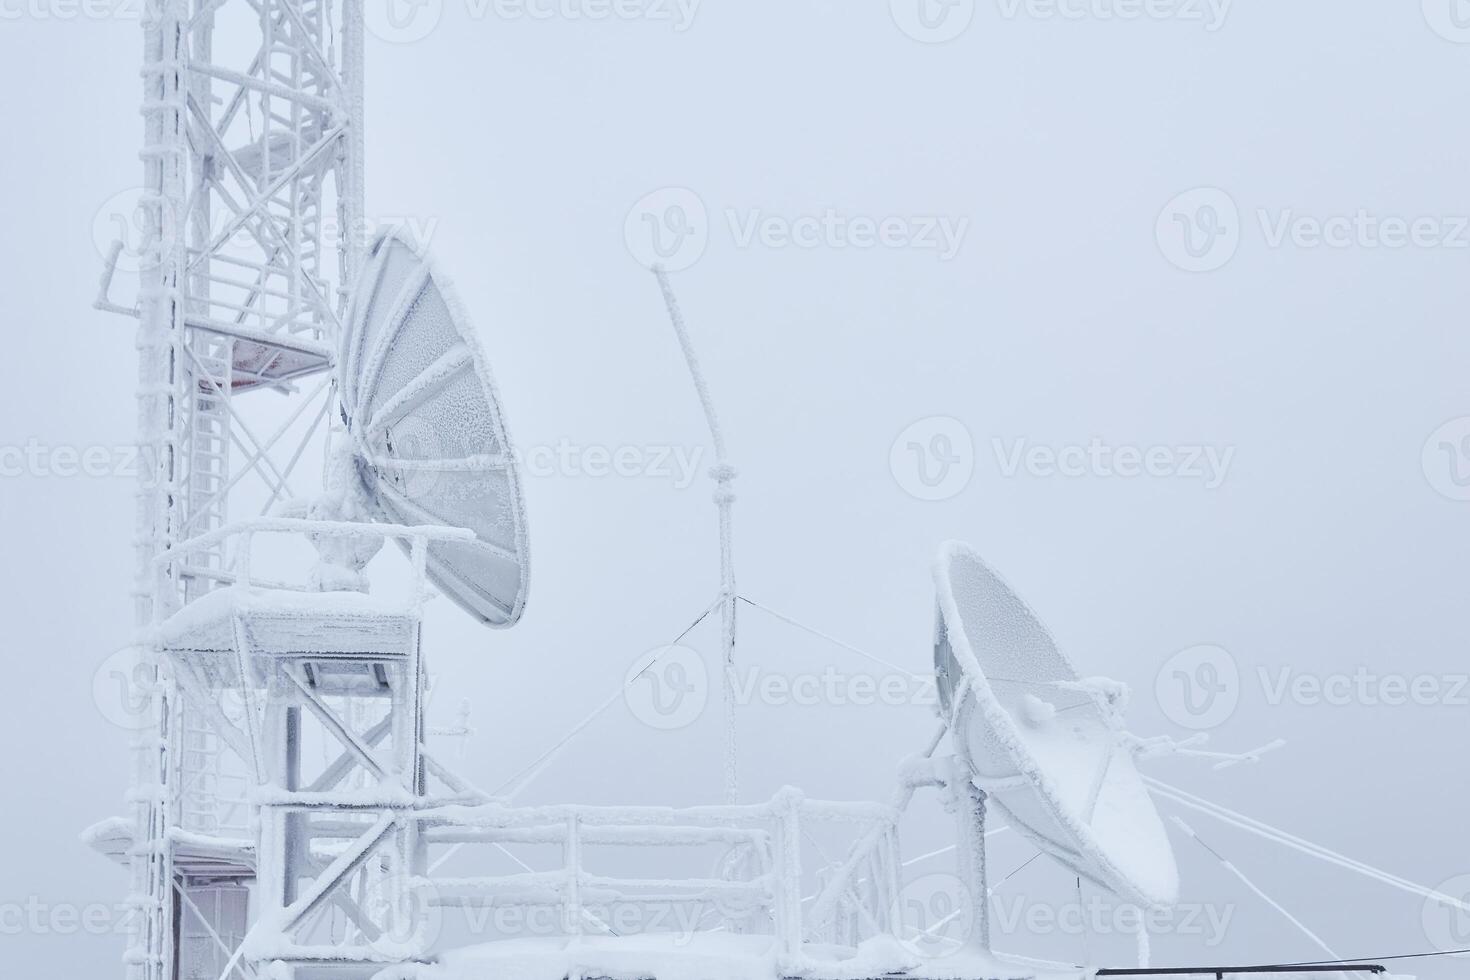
<point x="667" y="688"/>
<point x="122" y="689"/>
<point x="1199" y="687"/>
<point x="1199" y="231"/>
<point x="402" y="21"/>
<point x="125" y="219"/>
<point x="934" y="458"/>
<point x="1446" y="924"/>
<point x="669" y="227"/>
<point x="1446" y="459"/>
<point x="932" y="21"/>
<point x="404" y="912"/>
<point x="1450" y="19"/>
<point x="935" y="915"/>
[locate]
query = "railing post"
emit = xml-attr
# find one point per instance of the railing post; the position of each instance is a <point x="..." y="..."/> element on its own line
<point x="892" y="878"/>
<point x="573" y="924"/>
<point x="968" y="803"/>
<point x="242" y="563"/>
<point x="788" y="884"/>
<point x="418" y="554"/>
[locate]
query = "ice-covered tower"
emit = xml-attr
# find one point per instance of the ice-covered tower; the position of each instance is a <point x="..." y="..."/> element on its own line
<point x="250" y="224"/>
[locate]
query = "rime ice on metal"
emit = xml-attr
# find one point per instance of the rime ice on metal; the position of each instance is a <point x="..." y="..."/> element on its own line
<point x="289" y="818"/>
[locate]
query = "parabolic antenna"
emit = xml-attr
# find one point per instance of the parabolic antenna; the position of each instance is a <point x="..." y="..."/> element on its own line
<point x="426" y="429"/>
<point x="1044" y="747"/>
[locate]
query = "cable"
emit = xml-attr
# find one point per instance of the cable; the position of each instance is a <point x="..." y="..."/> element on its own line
<point x="1019" y="868"/>
<point x="1230" y="867"/>
<point x="518" y="782"/>
<point x="945" y="850"/>
<point x="1380" y="959"/>
<point x="1260" y="829"/>
<point x="832" y="639"/>
<point x="1359" y="964"/>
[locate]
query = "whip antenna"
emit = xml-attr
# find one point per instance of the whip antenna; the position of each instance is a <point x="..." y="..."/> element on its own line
<point x="724" y="477"/>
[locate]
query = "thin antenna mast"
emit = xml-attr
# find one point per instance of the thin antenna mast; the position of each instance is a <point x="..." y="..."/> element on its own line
<point x="724" y="476"/>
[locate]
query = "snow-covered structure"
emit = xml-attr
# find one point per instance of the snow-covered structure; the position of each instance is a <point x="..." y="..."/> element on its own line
<point x="290" y="818"/>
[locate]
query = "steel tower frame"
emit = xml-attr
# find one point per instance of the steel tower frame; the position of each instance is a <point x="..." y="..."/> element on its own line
<point x="250" y="150"/>
<point x="253" y="140"/>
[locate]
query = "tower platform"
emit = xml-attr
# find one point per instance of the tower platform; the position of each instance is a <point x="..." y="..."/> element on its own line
<point x="195" y="855"/>
<point x="282" y="621"/>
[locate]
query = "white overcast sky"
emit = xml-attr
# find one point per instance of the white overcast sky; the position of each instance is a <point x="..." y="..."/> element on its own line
<point x="1316" y="362"/>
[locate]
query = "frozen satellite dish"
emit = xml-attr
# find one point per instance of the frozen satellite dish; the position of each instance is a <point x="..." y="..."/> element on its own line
<point x="426" y="429"/>
<point x="1044" y="746"/>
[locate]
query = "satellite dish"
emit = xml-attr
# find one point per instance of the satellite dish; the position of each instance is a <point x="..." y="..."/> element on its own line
<point x="1047" y="748"/>
<point x="427" y="435"/>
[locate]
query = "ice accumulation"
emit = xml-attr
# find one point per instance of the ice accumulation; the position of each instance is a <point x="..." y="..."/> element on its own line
<point x="673" y="956"/>
<point x="285" y="621"/>
<point x="1045" y="745"/>
<point x="715" y="956"/>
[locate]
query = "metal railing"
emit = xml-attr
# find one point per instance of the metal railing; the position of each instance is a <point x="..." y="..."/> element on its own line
<point x="761" y="892"/>
<point x="243" y="534"/>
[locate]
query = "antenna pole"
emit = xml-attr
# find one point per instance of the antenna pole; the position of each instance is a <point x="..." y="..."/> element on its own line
<point x="967" y="801"/>
<point x="724" y="476"/>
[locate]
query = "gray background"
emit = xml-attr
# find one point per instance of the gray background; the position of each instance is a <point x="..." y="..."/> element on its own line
<point x="1062" y="318"/>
